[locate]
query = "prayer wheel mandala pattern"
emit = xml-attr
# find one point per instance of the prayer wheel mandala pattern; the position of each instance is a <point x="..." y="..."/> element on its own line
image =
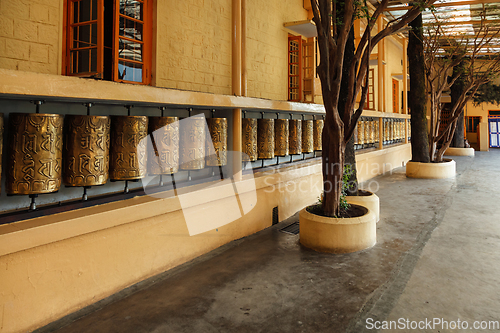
<point x="192" y="143"/>
<point x="216" y="144"/>
<point x="128" y="147"/>
<point x="295" y="138"/>
<point x="307" y="136"/>
<point x="163" y="158"/>
<point x="35" y="153"/>
<point x="281" y="137"/>
<point x="317" y="133"/>
<point x="265" y="138"/>
<point x="86" y="150"/>
<point x="249" y="143"/>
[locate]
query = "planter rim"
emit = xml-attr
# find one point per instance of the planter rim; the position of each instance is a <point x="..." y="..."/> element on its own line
<point x="446" y="161"/>
<point x="430" y="170"/>
<point x="455" y="151"/>
<point x="339" y="220"/>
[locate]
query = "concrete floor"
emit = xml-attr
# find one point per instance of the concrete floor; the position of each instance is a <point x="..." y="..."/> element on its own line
<point x="437" y="256"/>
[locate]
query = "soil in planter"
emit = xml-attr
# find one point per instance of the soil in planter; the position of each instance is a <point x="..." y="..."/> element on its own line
<point x="352" y="211"/>
<point x="363" y="193"/>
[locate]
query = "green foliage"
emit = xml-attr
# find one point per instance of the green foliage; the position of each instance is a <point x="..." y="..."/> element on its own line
<point x="346" y="185"/>
<point x="487" y="93"/>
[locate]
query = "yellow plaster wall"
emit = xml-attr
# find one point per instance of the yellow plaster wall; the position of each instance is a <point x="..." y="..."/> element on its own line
<point x="394" y="66"/>
<point x="31" y="35"/>
<point x="193" y="45"/>
<point x="480" y="111"/>
<point x="267" y="46"/>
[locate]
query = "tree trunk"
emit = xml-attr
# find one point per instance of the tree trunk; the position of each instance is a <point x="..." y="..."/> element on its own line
<point x="333" y="167"/>
<point x="457" y="89"/>
<point x="418" y="97"/>
<point x="350" y="155"/>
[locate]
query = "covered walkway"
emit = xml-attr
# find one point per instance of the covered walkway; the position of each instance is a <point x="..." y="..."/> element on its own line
<point x="437" y="256"/>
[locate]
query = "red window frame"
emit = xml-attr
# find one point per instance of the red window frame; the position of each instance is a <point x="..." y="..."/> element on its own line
<point x="69" y="39"/>
<point x="295" y="68"/>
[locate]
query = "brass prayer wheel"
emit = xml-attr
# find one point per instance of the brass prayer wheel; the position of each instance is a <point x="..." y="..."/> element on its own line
<point x="128" y="157"/>
<point x="391" y="130"/>
<point x="281" y="133"/>
<point x="367" y="131"/>
<point x="249" y="140"/>
<point x="1" y="147"/>
<point x="86" y="150"/>
<point x="372" y="131"/>
<point x="377" y="130"/>
<point x="386" y="130"/>
<point x="192" y="143"/>
<point x="307" y="136"/>
<point x="265" y="138"/>
<point x="295" y="137"/>
<point x="216" y="143"/>
<point x="163" y="159"/>
<point x="34" y="159"/>
<point x="361" y="132"/>
<point x="317" y="134"/>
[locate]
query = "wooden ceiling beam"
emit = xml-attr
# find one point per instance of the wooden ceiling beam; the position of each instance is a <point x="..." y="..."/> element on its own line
<point x="446" y="4"/>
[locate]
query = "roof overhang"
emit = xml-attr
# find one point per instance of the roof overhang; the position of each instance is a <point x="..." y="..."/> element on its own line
<point x="306" y="28"/>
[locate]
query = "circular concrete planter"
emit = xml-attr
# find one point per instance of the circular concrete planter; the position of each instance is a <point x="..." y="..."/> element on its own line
<point x="446" y="169"/>
<point x="366" y="199"/>
<point x="337" y="235"/>
<point x="452" y="151"/>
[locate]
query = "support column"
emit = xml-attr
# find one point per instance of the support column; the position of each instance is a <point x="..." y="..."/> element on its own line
<point x="244" y="85"/>
<point x="381" y="67"/>
<point x="236" y="84"/>
<point x="405" y="77"/>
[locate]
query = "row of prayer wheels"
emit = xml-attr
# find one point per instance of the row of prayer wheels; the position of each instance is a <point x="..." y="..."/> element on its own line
<point x="268" y="138"/>
<point x="394" y="130"/>
<point x="46" y="150"/>
<point x="366" y="133"/>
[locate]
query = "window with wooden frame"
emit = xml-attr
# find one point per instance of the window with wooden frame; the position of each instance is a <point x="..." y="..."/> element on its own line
<point x="295" y="68"/>
<point x="471" y="123"/>
<point x="370" y="96"/>
<point x="109" y="39"/>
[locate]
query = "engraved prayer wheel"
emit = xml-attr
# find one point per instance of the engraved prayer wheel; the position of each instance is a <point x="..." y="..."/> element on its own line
<point x="216" y="144"/>
<point x="361" y="132"/>
<point x="1" y="147"/>
<point x="386" y="130"/>
<point x="192" y="143"/>
<point x="355" y="134"/>
<point x="163" y="159"/>
<point x="317" y="134"/>
<point x="128" y="151"/>
<point x="373" y="130"/>
<point x="34" y="159"/>
<point x="392" y="130"/>
<point x="249" y="139"/>
<point x="295" y="137"/>
<point x="265" y="138"/>
<point x="367" y="131"/>
<point x="376" y="130"/>
<point x="307" y="136"/>
<point x="281" y="133"/>
<point x="86" y="150"/>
